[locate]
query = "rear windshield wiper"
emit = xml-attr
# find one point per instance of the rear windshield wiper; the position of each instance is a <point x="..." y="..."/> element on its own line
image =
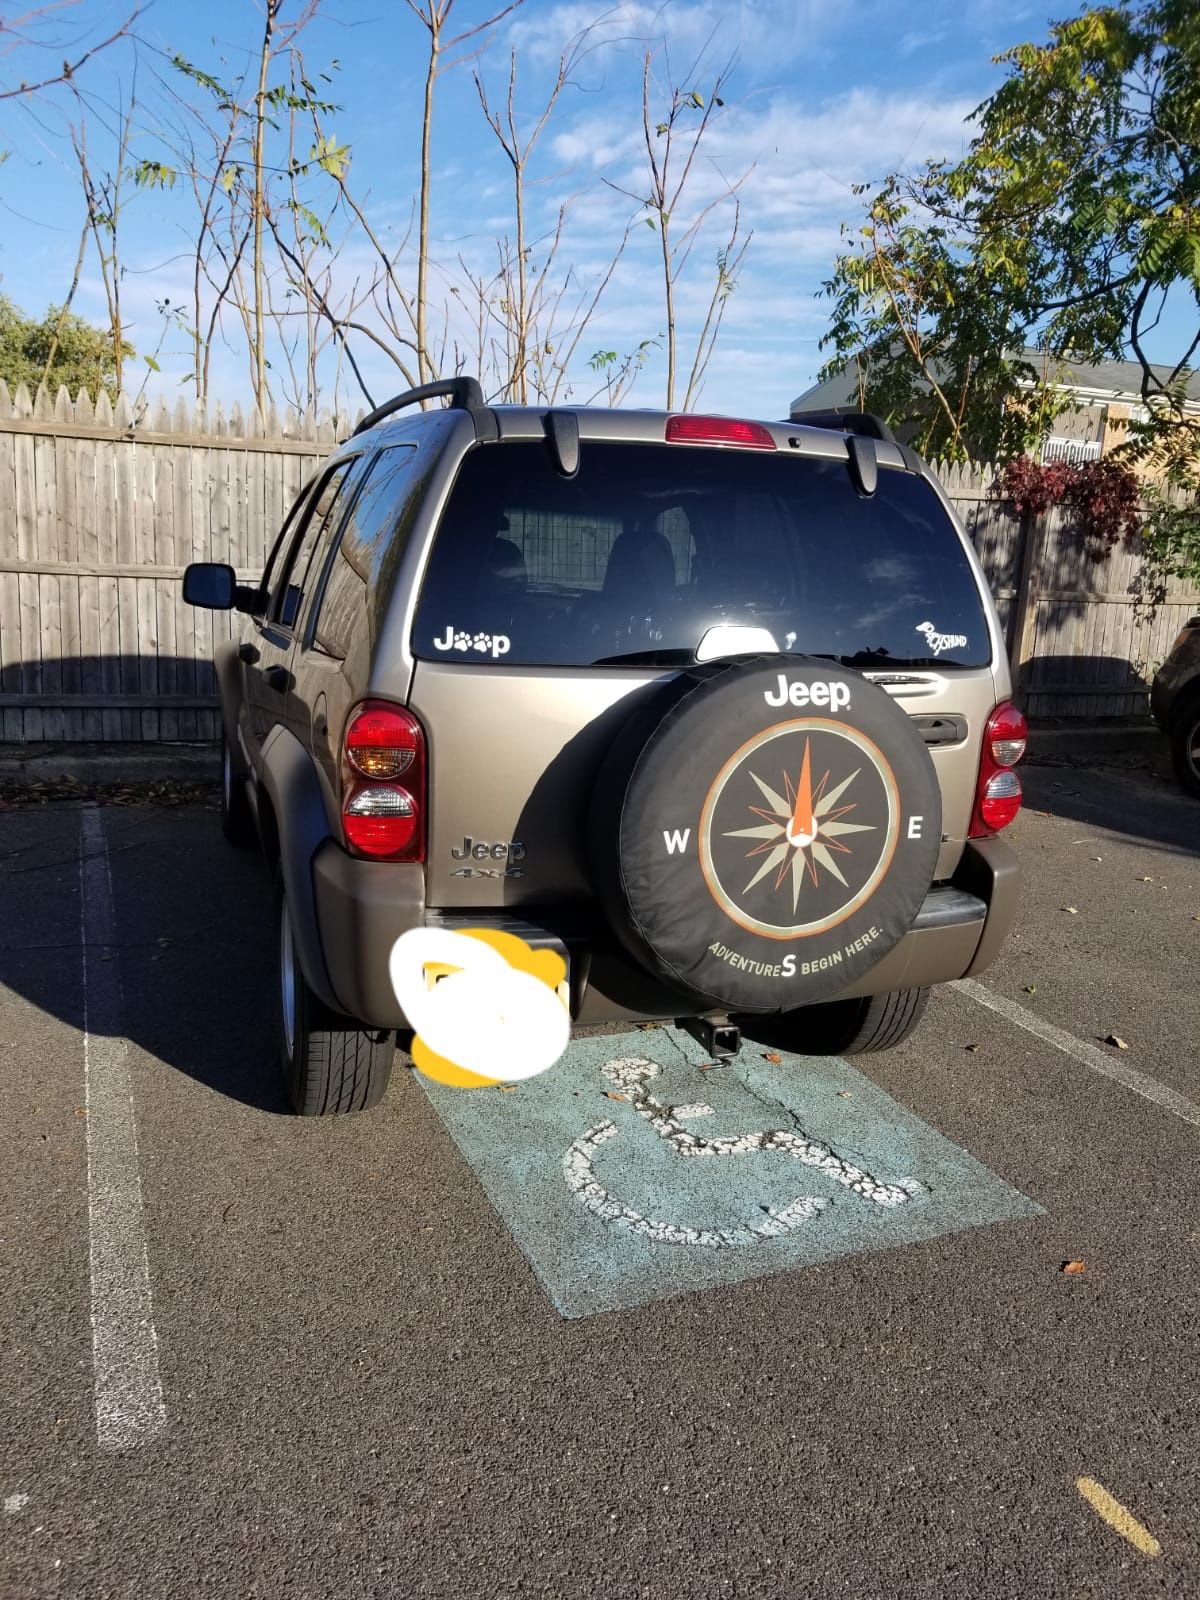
<point x="862" y="661"/>
<point x="876" y="661"/>
<point x="650" y="658"/>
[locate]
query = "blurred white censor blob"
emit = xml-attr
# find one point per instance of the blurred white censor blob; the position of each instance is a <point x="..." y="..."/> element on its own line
<point x="483" y="1015"/>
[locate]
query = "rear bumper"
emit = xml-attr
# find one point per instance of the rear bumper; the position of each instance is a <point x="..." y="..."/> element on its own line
<point x="363" y="907"/>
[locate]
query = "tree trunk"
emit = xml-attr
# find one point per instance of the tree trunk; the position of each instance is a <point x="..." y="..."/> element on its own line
<point x="424" y="367"/>
<point x="663" y="225"/>
<point x="260" y="366"/>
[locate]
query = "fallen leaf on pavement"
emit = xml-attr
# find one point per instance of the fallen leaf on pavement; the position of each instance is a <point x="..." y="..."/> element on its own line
<point x="1073" y="1268"/>
<point x="845" y="1094"/>
<point x="507" y="1088"/>
<point x="611" y="1094"/>
<point x="1072" y="911"/>
<point x="1120" y="1043"/>
<point x="972" y="1048"/>
<point x="773" y="1057"/>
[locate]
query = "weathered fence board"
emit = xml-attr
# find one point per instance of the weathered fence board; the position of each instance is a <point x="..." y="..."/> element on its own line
<point x="102" y="506"/>
<point x="1084" y="641"/>
<point x="101" y="509"/>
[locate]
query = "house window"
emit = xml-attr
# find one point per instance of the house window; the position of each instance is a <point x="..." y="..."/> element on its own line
<point x="1072" y="450"/>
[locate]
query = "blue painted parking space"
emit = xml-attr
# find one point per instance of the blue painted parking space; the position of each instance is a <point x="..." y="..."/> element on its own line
<point x="633" y="1171"/>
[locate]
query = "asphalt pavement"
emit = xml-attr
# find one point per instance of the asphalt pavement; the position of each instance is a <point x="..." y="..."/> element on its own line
<point x="332" y="1366"/>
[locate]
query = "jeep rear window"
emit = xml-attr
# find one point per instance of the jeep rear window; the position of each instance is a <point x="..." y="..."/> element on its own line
<point x="651" y="545"/>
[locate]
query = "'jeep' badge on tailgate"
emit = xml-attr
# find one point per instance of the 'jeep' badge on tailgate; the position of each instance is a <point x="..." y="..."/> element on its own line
<point x="510" y="850"/>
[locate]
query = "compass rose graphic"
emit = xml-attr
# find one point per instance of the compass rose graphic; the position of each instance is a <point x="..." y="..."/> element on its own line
<point x="799" y="827"/>
<point x="804" y="829"/>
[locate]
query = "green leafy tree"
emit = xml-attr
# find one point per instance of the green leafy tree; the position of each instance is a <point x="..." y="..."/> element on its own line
<point x="1072" y="218"/>
<point x="61" y="348"/>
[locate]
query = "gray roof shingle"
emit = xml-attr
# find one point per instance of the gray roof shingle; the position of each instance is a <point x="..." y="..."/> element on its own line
<point x="1117" y="377"/>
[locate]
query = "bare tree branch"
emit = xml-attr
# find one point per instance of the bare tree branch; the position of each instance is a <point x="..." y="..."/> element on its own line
<point x="69" y="68"/>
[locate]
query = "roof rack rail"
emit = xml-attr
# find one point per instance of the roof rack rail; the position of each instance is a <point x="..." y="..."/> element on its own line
<point x="464" y="394"/>
<point x="864" y="423"/>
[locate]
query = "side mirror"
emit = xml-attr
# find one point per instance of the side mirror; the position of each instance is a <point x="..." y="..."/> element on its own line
<point x="212" y="584"/>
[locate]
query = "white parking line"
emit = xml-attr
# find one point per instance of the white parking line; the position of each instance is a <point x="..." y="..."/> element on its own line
<point x="1086" y="1054"/>
<point x="129" y="1402"/>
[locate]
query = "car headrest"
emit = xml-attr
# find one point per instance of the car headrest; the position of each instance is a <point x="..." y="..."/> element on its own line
<point x="639" y="562"/>
<point x="504" y="564"/>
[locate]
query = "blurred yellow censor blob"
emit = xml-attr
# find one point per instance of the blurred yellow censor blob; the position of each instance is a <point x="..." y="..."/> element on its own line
<point x="1115" y="1514"/>
<point x="485" y="1008"/>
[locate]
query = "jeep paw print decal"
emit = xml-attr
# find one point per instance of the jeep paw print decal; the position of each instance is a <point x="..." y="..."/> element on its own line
<point x="487" y="644"/>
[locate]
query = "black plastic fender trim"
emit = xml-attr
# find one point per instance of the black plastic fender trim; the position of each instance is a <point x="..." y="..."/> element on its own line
<point x="991" y="869"/>
<point x="288" y="775"/>
<point x="229" y="687"/>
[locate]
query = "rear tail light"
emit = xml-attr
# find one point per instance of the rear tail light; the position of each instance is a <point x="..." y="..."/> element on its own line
<point x="384" y="818"/>
<point x="998" y="795"/>
<point x="1006" y="735"/>
<point x="719" y="430"/>
<point x="380" y="742"/>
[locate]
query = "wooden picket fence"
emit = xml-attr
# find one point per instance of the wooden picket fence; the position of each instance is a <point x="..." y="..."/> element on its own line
<point x="1084" y="638"/>
<point x="102" y="507"/>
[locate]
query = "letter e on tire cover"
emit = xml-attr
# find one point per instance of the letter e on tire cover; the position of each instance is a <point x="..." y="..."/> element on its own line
<point x="763" y="831"/>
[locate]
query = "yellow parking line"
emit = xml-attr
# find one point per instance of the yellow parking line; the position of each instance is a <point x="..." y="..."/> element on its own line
<point x="1115" y="1514"/>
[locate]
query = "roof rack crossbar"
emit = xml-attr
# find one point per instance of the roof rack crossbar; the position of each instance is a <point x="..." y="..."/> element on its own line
<point x="864" y="423"/>
<point x="463" y="393"/>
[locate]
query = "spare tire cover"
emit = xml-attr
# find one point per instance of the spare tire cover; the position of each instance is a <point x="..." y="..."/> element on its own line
<point x="763" y="831"/>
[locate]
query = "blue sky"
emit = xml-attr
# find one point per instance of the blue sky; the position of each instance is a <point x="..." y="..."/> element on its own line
<point x="820" y="96"/>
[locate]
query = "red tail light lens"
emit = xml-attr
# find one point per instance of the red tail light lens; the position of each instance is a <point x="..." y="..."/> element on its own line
<point x="381" y="818"/>
<point x="381" y="742"/>
<point x="999" y="801"/>
<point x="998" y="796"/>
<point x="1006" y="735"/>
<point x="718" y="430"/>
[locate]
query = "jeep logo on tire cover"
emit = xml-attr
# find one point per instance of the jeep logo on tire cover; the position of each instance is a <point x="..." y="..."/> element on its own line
<point x="798" y="828"/>
<point x="761" y="838"/>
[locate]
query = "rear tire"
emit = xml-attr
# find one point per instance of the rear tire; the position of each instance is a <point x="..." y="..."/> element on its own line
<point x="845" y="1027"/>
<point x="237" y="819"/>
<point x="1185" y="743"/>
<point x="331" y="1063"/>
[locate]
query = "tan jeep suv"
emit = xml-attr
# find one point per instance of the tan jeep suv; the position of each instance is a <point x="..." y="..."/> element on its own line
<point x="718" y="709"/>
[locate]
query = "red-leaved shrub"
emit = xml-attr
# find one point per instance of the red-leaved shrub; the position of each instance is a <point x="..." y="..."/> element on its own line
<point x="1102" y="495"/>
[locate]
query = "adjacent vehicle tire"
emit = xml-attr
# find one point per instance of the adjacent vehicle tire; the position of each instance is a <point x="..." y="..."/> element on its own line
<point x="1185" y="742"/>
<point x="330" y="1063"/>
<point x="846" y="1027"/>
<point x="237" y="819"/>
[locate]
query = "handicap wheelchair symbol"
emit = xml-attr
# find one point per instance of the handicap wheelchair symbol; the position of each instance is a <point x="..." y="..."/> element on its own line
<point x="630" y="1078"/>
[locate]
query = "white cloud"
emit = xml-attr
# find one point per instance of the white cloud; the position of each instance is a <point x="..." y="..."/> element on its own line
<point x="920" y="39"/>
<point x="774" y="31"/>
